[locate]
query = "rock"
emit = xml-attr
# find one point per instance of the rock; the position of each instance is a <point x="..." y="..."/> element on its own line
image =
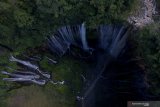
<point x="144" y="15"/>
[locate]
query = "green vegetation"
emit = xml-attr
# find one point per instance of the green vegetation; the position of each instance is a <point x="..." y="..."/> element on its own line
<point x="26" y="23"/>
<point x="31" y="96"/>
<point x="149" y="49"/>
<point x="67" y="69"/>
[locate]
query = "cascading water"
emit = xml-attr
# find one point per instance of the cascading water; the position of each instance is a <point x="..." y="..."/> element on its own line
<point x="112" y="40"/>
<point x="67" y="36"/>
<point x="112" y="43"/>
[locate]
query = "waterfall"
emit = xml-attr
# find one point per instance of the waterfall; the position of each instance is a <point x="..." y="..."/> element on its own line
<point x="66" y="36"/>
<point x="112" y="41"/>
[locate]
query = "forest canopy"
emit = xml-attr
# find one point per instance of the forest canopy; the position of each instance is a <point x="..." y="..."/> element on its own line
<point x="25" y="23"/>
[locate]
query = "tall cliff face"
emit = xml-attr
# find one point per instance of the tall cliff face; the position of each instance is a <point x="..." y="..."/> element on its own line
<point x="124" y="80"/>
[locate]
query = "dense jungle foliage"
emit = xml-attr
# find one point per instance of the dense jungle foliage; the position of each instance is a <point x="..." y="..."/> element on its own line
<point x="26" y="23"/>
